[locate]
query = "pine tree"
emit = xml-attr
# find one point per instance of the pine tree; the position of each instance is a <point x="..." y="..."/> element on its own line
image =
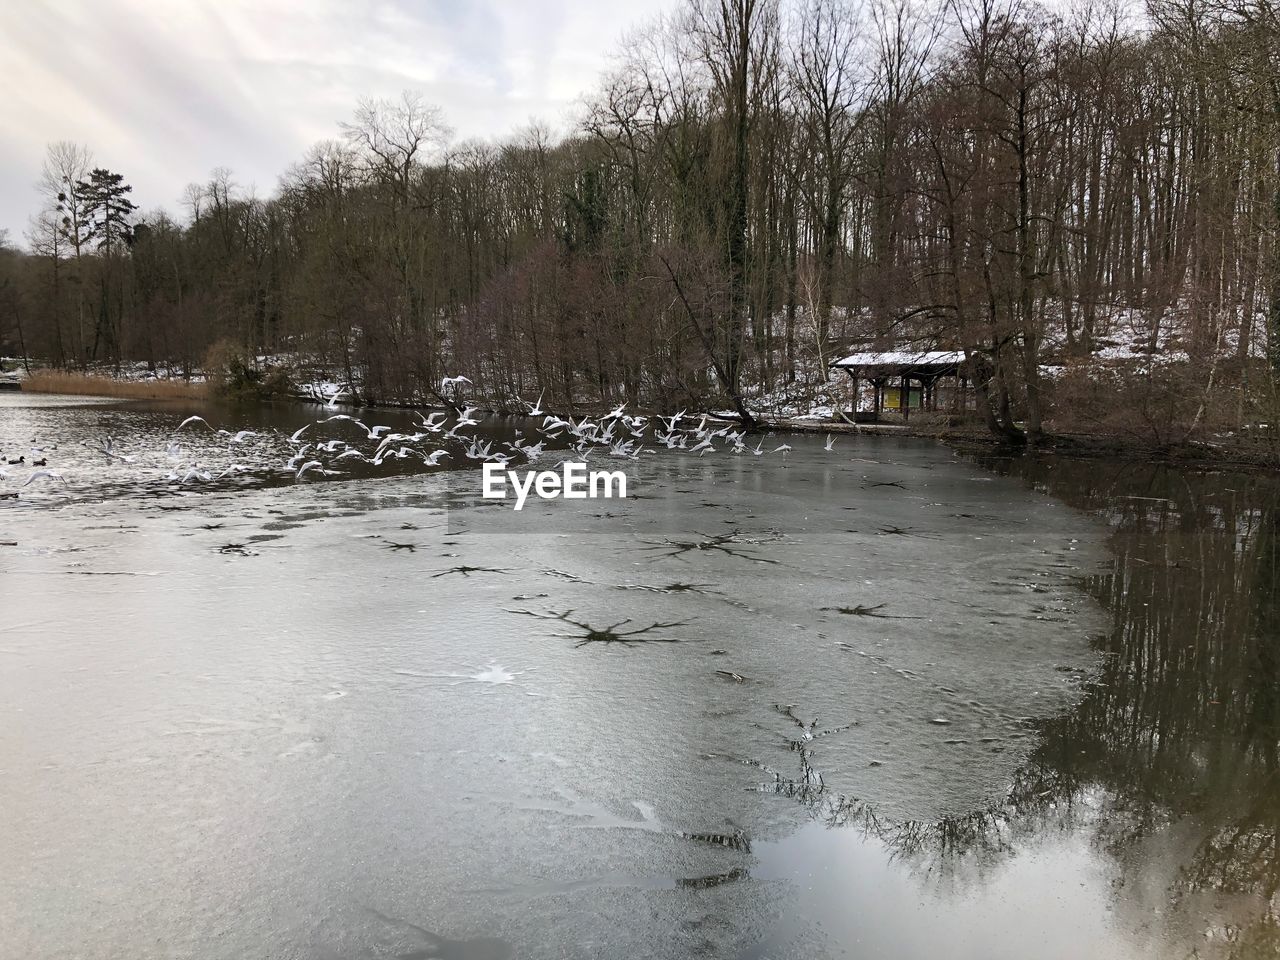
<point x="108" y="208"/>
<point x="107" y="211"/>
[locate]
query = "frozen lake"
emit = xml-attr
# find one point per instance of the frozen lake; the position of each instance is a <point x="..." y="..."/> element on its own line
<point x="875" y="702"/>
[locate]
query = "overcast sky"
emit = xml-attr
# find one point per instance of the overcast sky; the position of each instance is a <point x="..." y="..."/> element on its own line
<point x="163" y="91"/>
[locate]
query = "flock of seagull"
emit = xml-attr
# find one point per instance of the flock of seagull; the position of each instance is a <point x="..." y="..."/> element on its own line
<point x="433" y="438"/>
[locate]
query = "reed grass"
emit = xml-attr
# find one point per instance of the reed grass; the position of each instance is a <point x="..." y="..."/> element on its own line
<point x="66" y="381"/>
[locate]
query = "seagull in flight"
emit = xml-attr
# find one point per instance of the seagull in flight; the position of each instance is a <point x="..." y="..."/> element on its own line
<point x="830" y="443"/>
<point x="45" y="475"/>
<point x="193" y="473"/>
<point x="532" y="451"/>
<point x="107" y="452"/>
<point x="673" y="420"/>
<point x="293" y="461"/>
<point x="309" y="466"/>
<point x="193" y="420"/>
<point x="431" y="424"/>
<point x="343" y="416"/>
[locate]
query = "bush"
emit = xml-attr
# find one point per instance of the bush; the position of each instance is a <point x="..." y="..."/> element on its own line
<point x="1158" y="404"/>
<point x="234" y="375"/>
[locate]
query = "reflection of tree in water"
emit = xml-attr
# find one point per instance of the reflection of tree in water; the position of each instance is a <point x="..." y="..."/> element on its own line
<point x="1184" y="725"/>
<point x="1181" y="728"/>
<point x="806" y="785"/>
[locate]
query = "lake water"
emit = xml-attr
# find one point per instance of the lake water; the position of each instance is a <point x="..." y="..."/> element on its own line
<point x="882" y="701"/>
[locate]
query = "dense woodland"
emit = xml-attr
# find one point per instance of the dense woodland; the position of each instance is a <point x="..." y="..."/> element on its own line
<point x="1085" y="201"/>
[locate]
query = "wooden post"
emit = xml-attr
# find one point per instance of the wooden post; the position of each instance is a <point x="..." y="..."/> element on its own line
<point x="857" y="382"/>
<point x="904" y="399"/>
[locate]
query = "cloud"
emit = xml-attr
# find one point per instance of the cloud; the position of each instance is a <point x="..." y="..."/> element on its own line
<point x="165" y="92"/>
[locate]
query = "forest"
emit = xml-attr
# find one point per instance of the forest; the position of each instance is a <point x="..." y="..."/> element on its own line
<point x="1084" y="200"/>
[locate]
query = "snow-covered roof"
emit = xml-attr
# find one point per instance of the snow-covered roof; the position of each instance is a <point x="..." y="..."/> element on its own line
<point x="903" y="358"/>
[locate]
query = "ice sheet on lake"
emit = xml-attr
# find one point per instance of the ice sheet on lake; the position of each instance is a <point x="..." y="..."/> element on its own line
<point x="251" y="724"/>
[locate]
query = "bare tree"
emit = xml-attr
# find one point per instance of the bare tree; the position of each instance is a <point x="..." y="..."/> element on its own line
<point x="832" y="86"/>
<point x="395" y="136"/>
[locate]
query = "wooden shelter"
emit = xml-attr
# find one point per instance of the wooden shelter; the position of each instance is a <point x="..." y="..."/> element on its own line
<point x="902" y="379"/>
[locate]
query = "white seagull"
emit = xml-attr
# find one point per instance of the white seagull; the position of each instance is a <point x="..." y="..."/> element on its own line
<point x="431" y="424"/>
<point x="107" y="452"/>
<point x="45" y="475"/>
<point x="192" y="420"/>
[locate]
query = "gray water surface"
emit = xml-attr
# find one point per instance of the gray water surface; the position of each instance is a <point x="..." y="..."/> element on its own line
<point x="375" y="717"/>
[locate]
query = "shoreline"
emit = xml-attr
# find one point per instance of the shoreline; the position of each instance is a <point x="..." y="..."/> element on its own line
<point x="968" y="440"/>
<point x="93" y="385"/>
<point x="1077" y="446"/>
<point x="1187" y="455"/>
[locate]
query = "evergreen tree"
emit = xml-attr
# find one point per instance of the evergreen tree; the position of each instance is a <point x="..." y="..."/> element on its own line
<point x="107" y="212"/>
<point x="108" y="208"/>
